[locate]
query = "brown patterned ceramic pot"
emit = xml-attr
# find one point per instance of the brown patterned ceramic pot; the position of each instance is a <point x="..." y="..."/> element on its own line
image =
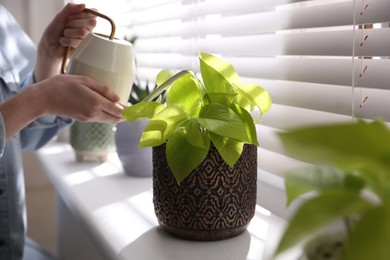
<point x="214" y="202"/>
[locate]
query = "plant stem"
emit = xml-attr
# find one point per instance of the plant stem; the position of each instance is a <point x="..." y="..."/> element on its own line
<point x="161" y="88"/>
<point x="348" y="225"/>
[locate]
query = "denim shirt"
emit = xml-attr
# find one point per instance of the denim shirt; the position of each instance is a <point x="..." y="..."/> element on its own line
<point x="17" y="59"/>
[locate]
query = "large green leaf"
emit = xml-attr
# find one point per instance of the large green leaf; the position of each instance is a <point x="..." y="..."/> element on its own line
<point x="182" y="156"/>
<point x="153" y="134"/>
<point x="319" y="211"/>
<point x="195" y="136"/>
<point x="224" y="67"/>
<point x="322" y="177"/>
<point x="174" y="116"/>
<point x="253" y="95"/>
<point x="162" y="125"/>
<point x="185" y="92"/>
<point x="349" y="145"/>
<point x="229" y="149"/>
<point x="220" y="98"/>
<point x="143" y="110"/>
<point x="370" y="238"/>
<point x="223" y="121"/>
<point x="217" y="74"/>
<point x="247" y="120"/>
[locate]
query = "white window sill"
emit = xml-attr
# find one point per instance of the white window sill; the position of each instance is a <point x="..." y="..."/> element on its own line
<point x="110" y="215"/>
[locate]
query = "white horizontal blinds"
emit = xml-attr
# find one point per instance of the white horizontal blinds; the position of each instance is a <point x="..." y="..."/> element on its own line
<point x="300" y="51"/>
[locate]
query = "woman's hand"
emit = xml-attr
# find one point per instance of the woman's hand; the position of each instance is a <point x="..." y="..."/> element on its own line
<point x="68" y="28"/>
<point x="79" y="97"/>
<point x="72" y="96"/>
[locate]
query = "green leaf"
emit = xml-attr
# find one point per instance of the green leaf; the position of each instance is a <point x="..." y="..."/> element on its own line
<point x="162" y="125"/>
<point x="153" y="134"/>
<point x="223" y="121"/>
<point x="354" y="182"/>
<point x="195" y="136"/>
<point x="370" y="238"/>
<point x="229" y="149"/>
<point x="222" y="66"/>
<point x="252" y="94"/>
<point x="294" y="190"/>
<point x="143" y="110"/>
<point x="174" y="116"/>
<point x="319" y="211"/>
<point x="182" y="156"/>
<point x="221" y="98"/>
<point x="322" y="177"/>
<point x="185" y="92"/>
<point x="349" y="145"/>
<point x="217" y="74"/>
<point x="247" y="120"/>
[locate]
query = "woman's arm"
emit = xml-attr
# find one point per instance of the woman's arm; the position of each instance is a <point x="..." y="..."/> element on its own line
<point x="64" y="95"/>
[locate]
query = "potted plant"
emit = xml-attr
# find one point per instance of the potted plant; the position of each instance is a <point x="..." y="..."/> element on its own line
<point x="351" y="182"/>
<point x="92" y="141"/>
<point x="203" y="136"/>
<point x="136" y="161"/>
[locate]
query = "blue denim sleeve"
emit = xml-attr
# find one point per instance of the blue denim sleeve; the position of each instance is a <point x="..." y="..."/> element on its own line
<point x="43" y="129"/>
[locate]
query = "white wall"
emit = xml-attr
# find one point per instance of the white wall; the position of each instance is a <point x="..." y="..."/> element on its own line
<point x="33" y="15"/>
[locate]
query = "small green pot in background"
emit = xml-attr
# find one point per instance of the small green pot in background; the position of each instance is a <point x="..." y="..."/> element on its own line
<point x="92" y="141"/>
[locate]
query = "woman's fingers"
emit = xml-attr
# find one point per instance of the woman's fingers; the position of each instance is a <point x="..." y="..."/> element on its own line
<point x="81" y="98"/>
<point x="102" y="89"/>
<point x="77" y="28"/>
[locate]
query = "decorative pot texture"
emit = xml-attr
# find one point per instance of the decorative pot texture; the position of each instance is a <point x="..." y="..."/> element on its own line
<point x="135" y="161"/>
<point x="92" y="141"/>
<point x="214" y="202"/>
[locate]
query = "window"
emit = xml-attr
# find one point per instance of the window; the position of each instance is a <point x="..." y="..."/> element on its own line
<point x="322" y="60"/>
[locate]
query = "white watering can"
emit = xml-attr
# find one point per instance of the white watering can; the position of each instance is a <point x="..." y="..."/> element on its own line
<point x="105" y="59"/>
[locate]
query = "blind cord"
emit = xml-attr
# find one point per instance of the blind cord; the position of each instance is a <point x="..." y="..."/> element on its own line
<point x="353" y="59"/>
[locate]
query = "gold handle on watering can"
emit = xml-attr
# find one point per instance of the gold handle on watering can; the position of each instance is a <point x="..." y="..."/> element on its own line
<point x="68" y="49"/>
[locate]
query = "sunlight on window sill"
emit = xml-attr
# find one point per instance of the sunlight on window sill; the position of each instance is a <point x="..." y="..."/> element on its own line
<point x="123" y="222"/>
<point x="55" y="149"/>
<point x="106" y="169"/>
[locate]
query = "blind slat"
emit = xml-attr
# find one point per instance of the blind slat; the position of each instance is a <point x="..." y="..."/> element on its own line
<point x="330" y="43"/>
<point x="213" y="6"/>
<point x="262" y="22"/>
<point x="185" y="10"/>
<point x="325" y="98"/>
<point x="287" y="117"/>
<point x="329" y="98"/>
<point x="328" y="70"/>
<point x="276" y="163"/>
